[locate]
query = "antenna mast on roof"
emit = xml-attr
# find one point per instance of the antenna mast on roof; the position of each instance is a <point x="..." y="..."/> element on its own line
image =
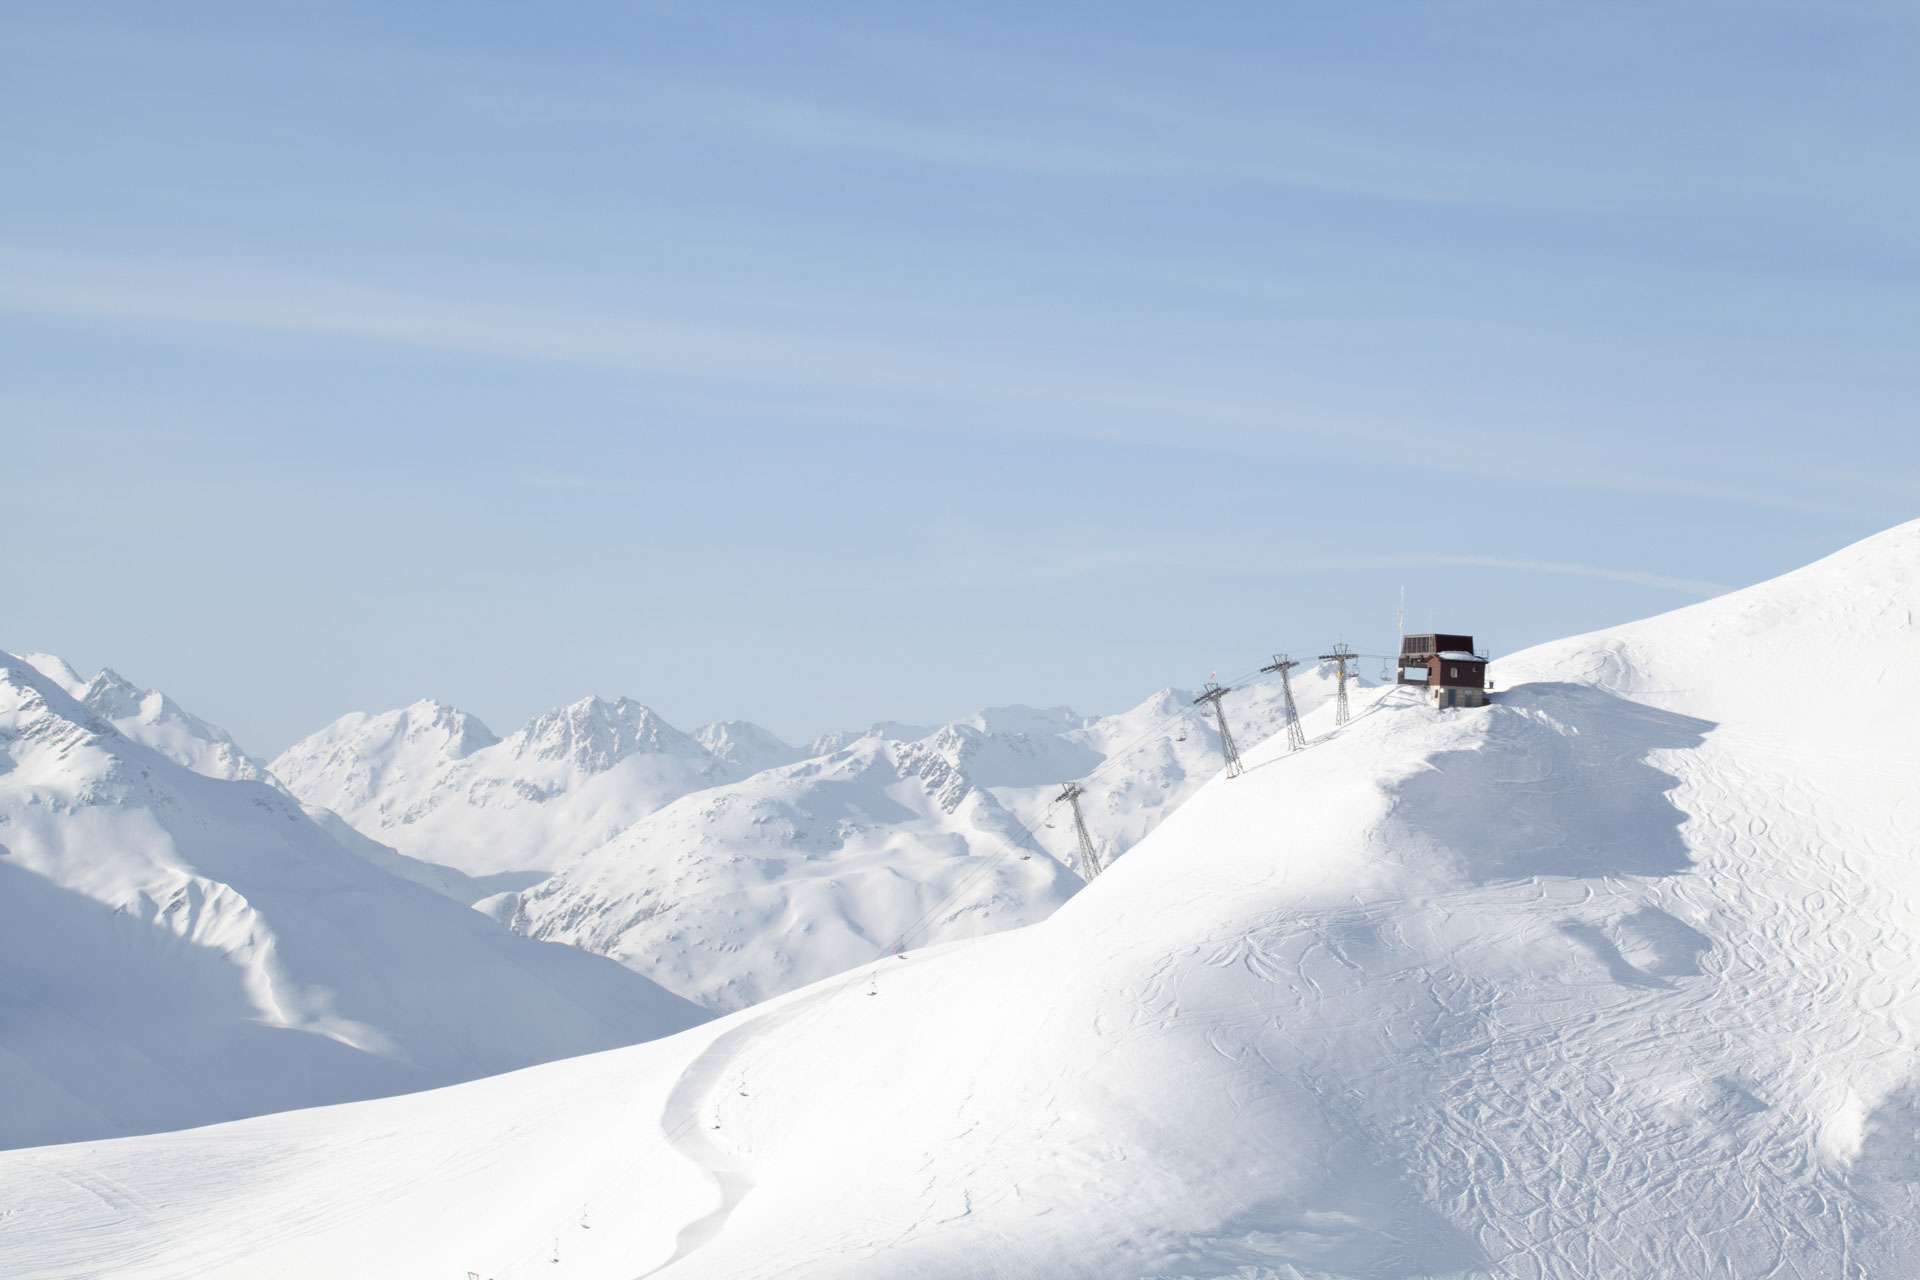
<point x="1390" y="670"/>
<point x="1296" y="737"/>
<point x="1089" y="860"/>
<point x="1213" y="694"/>
<point x="1341" y="655"/>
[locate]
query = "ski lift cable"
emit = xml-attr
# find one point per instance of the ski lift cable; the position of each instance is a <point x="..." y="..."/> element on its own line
<point x="1028" y="831"/>
<point x="1159" y="727"/>
<point x="868" y="972"/>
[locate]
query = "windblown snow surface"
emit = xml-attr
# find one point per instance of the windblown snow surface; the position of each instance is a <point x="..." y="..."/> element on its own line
<point x="1616" y="977"/>
<point x="178" y="948"/>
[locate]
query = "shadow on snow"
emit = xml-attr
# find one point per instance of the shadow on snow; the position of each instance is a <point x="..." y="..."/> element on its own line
<point x="1561" y="785"/>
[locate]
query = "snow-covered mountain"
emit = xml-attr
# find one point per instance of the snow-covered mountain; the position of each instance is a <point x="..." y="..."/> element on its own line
<point x="184" y="945"/>
<point x="744" y="744"/>
<point x="746" y="890"/>
<point x="730" y="866"/>
<point x="1617" y="977"/>
<point x="436" y="784"/>
<point x="739" y="892"/>
<point x="152" y="719"/>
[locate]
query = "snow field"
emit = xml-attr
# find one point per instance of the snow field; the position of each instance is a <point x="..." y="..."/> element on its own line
<point x="1613" y="978"/>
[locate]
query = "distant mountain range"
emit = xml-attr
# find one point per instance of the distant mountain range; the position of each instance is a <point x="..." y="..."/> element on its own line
<point x="729" y="866"/>
<point x="182" y="942"/>
<point x="232" y="936"/>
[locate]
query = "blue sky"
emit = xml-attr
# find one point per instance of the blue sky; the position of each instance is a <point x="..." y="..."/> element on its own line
<point x="814" y="364"/>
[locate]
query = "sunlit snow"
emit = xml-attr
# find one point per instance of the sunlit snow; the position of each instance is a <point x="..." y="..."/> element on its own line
<point x="1615" y="977"/>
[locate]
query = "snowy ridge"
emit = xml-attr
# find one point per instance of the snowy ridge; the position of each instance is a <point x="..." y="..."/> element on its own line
<point x="1487" y="992"/>
<point x="750" y="889"/>
<point x="350" y="763"/>
<point x="742" y="891"/>
<point x="152" y="719"/>
<point x="744" y="745"/>
<point x="593" y="735"/>
<point x="183" y="948"/>
<point x="729" y="866"/>
<point x="434" y="783"/>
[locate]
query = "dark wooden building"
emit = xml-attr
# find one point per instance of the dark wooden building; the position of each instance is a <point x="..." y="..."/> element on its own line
<point x="1447" y="665"/>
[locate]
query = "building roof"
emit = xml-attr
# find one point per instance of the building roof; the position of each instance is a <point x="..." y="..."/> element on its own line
<point x="1455" y="655"/>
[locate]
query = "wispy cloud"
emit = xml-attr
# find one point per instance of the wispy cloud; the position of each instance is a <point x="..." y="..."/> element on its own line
<point x="1069" y="401"/>
<point x="317" y="306"/>
<point x="1559" y="568"/>
<point x="579" y="484"/>
<point x="1111" y="557"/>
<point x="1079" y="117"/>
<point x="1097" y="135"/>
<point x="978" y="389"/>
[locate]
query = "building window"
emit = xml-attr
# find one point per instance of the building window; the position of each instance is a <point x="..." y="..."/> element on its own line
<point x="1453" y="673"/>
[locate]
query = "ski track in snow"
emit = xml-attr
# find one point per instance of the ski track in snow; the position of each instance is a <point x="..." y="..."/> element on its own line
<point x="696" y="1110"/>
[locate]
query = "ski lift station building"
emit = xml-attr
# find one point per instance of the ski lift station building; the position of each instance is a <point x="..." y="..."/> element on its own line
<point x="1447" y="665"/>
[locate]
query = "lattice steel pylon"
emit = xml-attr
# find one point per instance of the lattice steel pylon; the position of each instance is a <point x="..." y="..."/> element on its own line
<point x="1213" y="694"/>
<point x="1341" y="656"/>
<point x="1089" y="859"/>
<point x="1296" y="736"/>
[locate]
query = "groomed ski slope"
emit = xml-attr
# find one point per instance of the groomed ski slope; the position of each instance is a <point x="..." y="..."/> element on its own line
<point x="1618" y="977"/>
